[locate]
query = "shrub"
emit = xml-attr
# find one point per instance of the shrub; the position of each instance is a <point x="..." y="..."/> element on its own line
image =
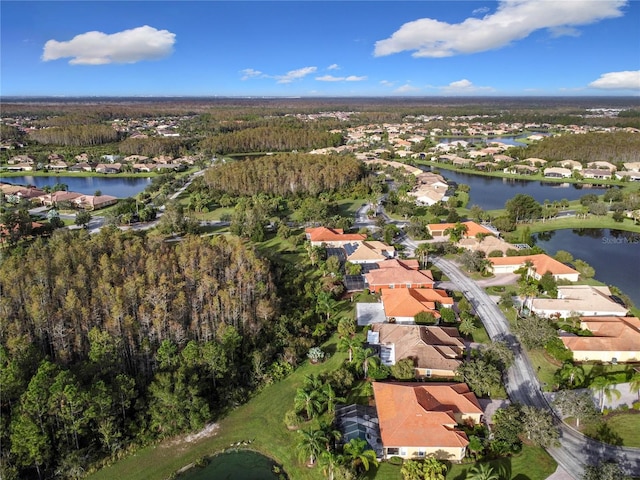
<point x="315" y="354"/>
<point x="395" y="460"/>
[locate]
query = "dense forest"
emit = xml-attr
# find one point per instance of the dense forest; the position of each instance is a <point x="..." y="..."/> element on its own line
<point x="117" y="338"/>
<point x="285" y="174"/>
<point x="614" y="147"/>
<point x="76" y="135"/>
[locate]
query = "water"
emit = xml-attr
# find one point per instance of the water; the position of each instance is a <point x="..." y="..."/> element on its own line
<point x="614" y="254"/>
<point x="513" y="140"/>
<point x="240" y="465"/>
<point x="492" y="193"/>
<point x="120" y="187"/>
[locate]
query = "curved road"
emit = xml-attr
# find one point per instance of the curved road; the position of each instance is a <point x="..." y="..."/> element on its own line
<point x="575" y="450"/>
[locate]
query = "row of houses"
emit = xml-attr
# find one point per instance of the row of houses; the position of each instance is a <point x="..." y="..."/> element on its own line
<point x="15" y="193"/>
<point x="111" y="164"/>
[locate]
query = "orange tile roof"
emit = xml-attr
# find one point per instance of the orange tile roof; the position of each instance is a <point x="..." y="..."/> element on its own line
<point x="408" y="302"/>
<point x="395" y="272"/>
<point x="542" y="263"/>
<point x="324" y="234"/>
<point x="472" y="228"/>
<point x="423" y="415"/>
<point x="610" y="334"/>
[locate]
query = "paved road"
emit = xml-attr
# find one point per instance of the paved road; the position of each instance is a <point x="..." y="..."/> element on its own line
<point x="522" y="385"/>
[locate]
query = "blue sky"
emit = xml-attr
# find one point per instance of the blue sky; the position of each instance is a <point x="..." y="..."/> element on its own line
<point x="320" y="48"/>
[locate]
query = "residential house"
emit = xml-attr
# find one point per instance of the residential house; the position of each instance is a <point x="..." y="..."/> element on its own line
<point x="55" y="198"/>
<point x="437" y="230"/>
<point x="57" y="166"/>
<point x="21" y="167"/>
<point x="81" y="167"/>
<point x="94" y="202"/>
<point x="487" y="245"/>
<point x="368" y="252"/>
<point x="581" y="300"/>
<point x="398" y="274"/>
<point x="521" y="170"/>
<point x="614" y="339"/>
<point x="599" y="173"/>
<point x="108" y="168"/>
<point x="571" y="164"/>
<point x="539" y="265"/>
<point x="630" y="176"/>
<point x="332" y="237"/>
<point x="401" y="305"/>
<point x="603" y="165"/>
<point x="419" y="420"/>
<point x="21" y="159"/>
<point x="435" y="351"/>
<point x="557" y="172"/>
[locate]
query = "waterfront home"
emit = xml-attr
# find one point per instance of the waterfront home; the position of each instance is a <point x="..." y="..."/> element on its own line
<point x="108" y="168"/>
<point x="521" y="170"/>
<point x="630" y="176"/>
<point x="435" y="351"/>
<point x="419" y="420"/>
<point x="437" y="230"/>
<point x="21" y="159"/>
<point x="557" y="172"/>
<point x="598" y="173"/>
<point x="57" y="166"/>
<point x="332" y="237"/>
<point x="486" y="244"/>
<point x="537" y="265"/>
<point x="613" y="339"/>
<point x="55" y="198"/>
<point x="94" y="202"/>
<point x="398" y="274"/>
<point x="581" y="300"/>
<point x="632" y="166"/>
<point x="534" y="162"/>
<point x="81" y="167"/>
<point x="15" y="193"/>
<point x="20" y="167"/>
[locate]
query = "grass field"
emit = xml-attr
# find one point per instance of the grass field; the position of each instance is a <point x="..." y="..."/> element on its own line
<point x="627" y="427"/>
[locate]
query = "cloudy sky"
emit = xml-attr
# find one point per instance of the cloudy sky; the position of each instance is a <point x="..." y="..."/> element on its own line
<point x="320" y="48"/>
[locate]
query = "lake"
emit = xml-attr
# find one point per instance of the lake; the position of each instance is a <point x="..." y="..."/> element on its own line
<point x="492" y="193"/>
<point x="614" y="254"/>
<point x="120" y="187"/>
<point x="238" y="465"/>
<point x="514" y="140"/>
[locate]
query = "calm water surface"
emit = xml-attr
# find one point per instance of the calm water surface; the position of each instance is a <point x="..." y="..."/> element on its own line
<point x="492" y="193"/>
<point x="240" y="465"/>
<point x="116" y="186"/>
<point x="614" y="254"/>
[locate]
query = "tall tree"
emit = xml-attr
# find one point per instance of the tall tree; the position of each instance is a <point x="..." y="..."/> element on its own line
<point x="358" y="455"/>
<point x="311" y="443"/>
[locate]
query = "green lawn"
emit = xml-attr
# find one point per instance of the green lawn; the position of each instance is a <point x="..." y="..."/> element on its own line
<point x="348" y="207"/>
<point x="260" y="420"/>
<point x="545" y="367"/>
<point x="627" y="427"/>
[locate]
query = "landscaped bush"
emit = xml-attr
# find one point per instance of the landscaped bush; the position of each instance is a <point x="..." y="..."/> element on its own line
<point x="395" y="460"/>
<point x="557" y="350"/>
<point x="315" y="355"/>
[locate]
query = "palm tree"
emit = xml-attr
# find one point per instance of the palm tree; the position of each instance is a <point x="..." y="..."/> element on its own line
<point x="482" y="471"/>
<point x="330" y="397"/>
<point x="307" y="401"/>
<point x="606" y="388"/>
<point x="422" y="254"/>
<point x="350" y="344"/>
<point x="325" y="303"/>
<point x="573" y="374"/>
<point x="367" y="358"/>
<point x="311" y="444"/>
<point x="330" y="461"/>
<point x="634" y="384"/>
<point x="358" y="455"/>
<point x="467" y="326"/>
<point x="456" y="232"/>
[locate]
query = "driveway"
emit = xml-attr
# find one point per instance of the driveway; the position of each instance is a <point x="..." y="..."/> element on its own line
<point x="575" y="450"/>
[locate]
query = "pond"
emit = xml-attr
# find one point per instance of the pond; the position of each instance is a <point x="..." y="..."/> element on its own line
<point x="513" y="140"/>
<point x="491" y="193"/>
<point x="235" y="465"/>
<point x="615" y="254"/>
<point x="120" y="187"/>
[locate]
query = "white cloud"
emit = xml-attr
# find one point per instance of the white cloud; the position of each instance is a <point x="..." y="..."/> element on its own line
<point x="513" y="20"/>
<point x="464" y="87"/>
<point x="629" y="80"/>
<point x="331" y="78"/>
<point x="248" y="73"/>
<point x="480" y="11"/>
<point x="296" y="74"/>
<point x="334" y="66"/>
<point x="387" y="83"/>
<point x="98" y="48"/>
<point x="407" y="89"/>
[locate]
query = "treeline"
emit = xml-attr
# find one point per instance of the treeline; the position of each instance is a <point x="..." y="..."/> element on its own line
<point x="267" y="139"/>
<point x="151" y="147"/>
<point x="76" y="135"/>
<point x="285" y="174"/>
<point x="118" y="338"/>
<point x="614" y="147"/>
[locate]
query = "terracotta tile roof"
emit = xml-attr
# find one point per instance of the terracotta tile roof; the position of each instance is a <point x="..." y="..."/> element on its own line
<point x="542" y="263"/>
<point x="430" y="347"/>
<point x="372" y="251"/>
<point x="324" y="234"/>
<point x="407" y="302"/>
<point x="395" y="272"/>
<point x="610" y="334"/>
<point x="423" y="415"/>
<point x="472" y="228"/>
